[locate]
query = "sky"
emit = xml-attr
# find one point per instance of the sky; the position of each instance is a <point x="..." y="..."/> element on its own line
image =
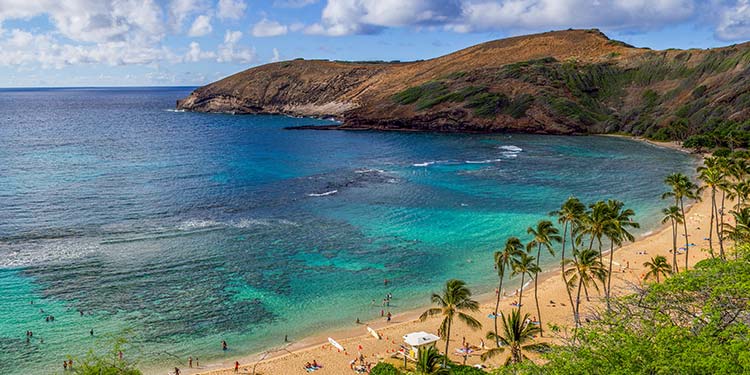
<point x="49" y="43"/>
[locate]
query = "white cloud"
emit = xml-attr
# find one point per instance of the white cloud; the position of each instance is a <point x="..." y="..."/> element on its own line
<point x="231" y="9"/>
<point x="92" y="20"/>
<point x="266" y="28"/>
<point x="195" y="53"/>
<point x="544" y="14"/>
<point x="343" y="17"/>
<point x="229" y="52"/>
<point x="276" y="57"/>
<point x="180" y="10"/>
<point x="201" y="26"/>
<point x="733" y="21"/>
<point x="23" y="48"/>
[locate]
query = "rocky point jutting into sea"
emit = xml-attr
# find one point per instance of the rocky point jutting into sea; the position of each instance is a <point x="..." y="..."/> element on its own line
<point x="562" y="82"/>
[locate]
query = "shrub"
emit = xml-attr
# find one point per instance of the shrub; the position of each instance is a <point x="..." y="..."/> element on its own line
<point x="383" y="368"/>
<point x="466" y="370"/>
<point x="488" y="104"/>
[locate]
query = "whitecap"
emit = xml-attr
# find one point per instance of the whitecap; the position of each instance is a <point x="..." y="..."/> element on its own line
<point x="323" y="194"/>
<point x="510" y="148"/>
<point x="176" y="110"/>
<point x="197" y="224"/>
<point x="488" y="161"/>
<point x="425" y="164"/>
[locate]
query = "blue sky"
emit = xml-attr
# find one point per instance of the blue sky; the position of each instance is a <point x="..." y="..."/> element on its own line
<point x="192" y="42"/>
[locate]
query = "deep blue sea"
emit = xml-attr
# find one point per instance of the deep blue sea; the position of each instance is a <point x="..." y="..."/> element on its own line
<point x="179" y="230"/>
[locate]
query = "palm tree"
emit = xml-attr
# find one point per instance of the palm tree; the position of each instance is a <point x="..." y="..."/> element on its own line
<point x="682" y="188"/>
<point x="740" y="191"/>
<point x="586" y="269"/>
<point x="428" y="362"/>
<point x="513" y="247"/>
<point x="724" y="166"/>
<point x="595" y="224"/>
<point x="617" y="232"/>
<point x="517" y="331"/>
<point x="524" y="265"/>
<point x="657" y="266"/>
<point x="740" y="231"/>
<point x="712" y="177"/>
<point x="674" y="216"/>
<point x="456" y="299"/>
<point x="543" y="235"/>
<point x="570" y="214"/>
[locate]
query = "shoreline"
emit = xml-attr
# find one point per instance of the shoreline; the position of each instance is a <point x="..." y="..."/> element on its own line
<point x="278" y="359"/>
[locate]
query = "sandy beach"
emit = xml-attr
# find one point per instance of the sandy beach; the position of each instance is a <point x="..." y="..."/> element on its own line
<point x="291" y="358"/>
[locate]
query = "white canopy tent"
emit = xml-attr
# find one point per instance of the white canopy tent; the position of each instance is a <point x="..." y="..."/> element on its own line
<point x="418" y="340"/>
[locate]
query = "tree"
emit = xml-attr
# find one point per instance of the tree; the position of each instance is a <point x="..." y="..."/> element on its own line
<point x="712" y="178"/>
<point x="595" y="224"/>
<point x="585" y="270"/>
<point x="682" y="188"/>
<point x="524" y="265"/>
<point x="428" y="362"/>
<point x="517" y="330"/>
<point x="740" y="231"/>
<point x="570" y="215"/>
<point x="456" y="299"/>
<point x="513" y="248"/>
<point x="617" y="232"/>
<point x="657" y="266"/>
<point x="543" y="235"/>
<point x="109" y="363"/>
<point x="674" y="216"/>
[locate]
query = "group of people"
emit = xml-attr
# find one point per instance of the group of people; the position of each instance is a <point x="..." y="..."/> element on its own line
<point x="68" y="365"/>
<point x="310" y="367"/>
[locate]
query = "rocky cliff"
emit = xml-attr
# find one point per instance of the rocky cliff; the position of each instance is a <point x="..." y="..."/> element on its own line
<point x="564" y="82"/>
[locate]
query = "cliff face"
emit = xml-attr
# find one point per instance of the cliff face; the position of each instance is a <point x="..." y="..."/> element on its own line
<point x="566" y="82"/>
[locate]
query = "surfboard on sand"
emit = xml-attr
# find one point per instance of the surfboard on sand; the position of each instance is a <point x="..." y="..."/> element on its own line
<point x="374" y="333"/>
<point x="335" y="344"/>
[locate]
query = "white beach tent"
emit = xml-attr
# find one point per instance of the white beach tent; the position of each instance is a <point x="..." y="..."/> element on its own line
<point x="417" y="340"/>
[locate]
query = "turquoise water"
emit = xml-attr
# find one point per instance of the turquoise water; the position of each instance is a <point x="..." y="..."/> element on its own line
<point x="179" y="230"/>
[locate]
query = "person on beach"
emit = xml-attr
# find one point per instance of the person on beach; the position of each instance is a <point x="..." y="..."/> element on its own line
<point x="382" y="312"/>
<point x="65" y="365"/>
<point x="197" y="364"/>
<point x="190" y="362"/>
<point x="358" y="322"/>
<point x="286" y="338"/>
<point x="70" y="364"/>
<point x="236" y="366"/>
<point x="223" y="345"/>
<point x="389" y="317"/>
<point x="176" y="371"/>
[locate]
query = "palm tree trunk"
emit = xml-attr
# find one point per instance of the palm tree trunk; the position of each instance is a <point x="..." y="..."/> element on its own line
<point x="536" y="295"/>
<point x="586" y="292"/>
<point x="578" y="302"/>
<point x="607" y="290"/>
<point x="720" y="228"/>
<point x="675" y="268"/>
<point x="562" y="268"/>
<point x="711" y="222"/>
<point x="447" y="340"/>
<point x="687" y="239"/>
<point x="497" y="305"/>
<point x="520" y="292"/>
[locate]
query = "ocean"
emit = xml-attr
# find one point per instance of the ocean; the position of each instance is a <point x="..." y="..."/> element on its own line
<point x="178" y="230"/>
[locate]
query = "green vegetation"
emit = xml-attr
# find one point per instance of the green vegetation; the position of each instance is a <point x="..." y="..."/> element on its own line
<point x="384" y="369"/>
<point x="111" y="362"/>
